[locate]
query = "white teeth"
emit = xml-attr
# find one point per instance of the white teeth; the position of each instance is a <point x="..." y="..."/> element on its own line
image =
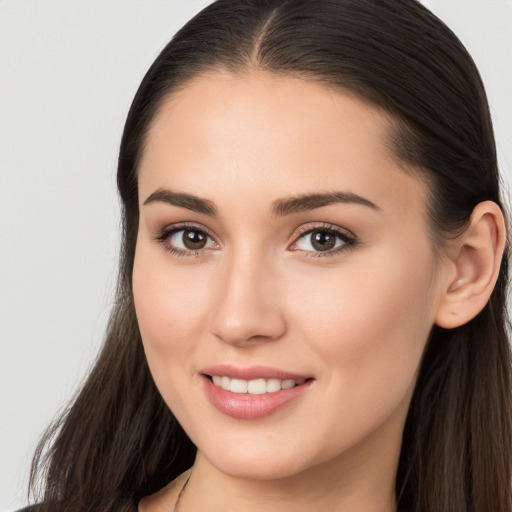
<point x="288" y="383"/>
<point x="238" y="386"/>
<point x="255" y="386"/>
<point x="273" y="385"/>
<point x="225" y="383"/>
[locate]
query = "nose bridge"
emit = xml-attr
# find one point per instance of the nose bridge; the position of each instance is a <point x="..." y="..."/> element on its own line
<point x="247" y="304"/>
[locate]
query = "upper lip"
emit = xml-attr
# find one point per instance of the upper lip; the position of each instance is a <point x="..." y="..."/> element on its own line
<point x="252" y="372"/>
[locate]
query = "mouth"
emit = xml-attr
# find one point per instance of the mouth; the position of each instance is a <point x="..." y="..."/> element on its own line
<point x="253" y="393"/>
<point x="254" y="386"/>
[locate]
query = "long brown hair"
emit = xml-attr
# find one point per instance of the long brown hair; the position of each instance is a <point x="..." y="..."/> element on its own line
<point x="118" y="441"/>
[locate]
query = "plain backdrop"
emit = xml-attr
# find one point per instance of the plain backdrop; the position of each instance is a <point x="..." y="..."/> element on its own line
<point x="68" y="72"/>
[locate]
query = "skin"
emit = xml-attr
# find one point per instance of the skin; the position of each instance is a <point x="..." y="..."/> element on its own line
<point x="356" y="320"/>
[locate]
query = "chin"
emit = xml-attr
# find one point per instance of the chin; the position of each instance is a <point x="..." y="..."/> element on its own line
<point x="252" y="469"/>
<point x="266" y="463"/>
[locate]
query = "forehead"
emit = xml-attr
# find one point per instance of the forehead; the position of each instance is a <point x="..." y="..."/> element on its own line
<point x="275" y="136"/>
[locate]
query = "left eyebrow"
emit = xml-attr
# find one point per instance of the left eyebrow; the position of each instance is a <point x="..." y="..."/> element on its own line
<point x="308" y="202"/>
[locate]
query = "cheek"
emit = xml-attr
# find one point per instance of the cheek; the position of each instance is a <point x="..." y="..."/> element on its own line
<point x="368" y="328"/>
<point x="168" y="303"/>
<point x="371" y="321"/>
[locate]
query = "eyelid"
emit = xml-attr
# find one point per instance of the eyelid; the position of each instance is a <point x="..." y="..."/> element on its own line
<point x="349" y="238"/>
<point x="166" y="232"/>
<point x="177" y="226"/>
<point x="313" y="226"/>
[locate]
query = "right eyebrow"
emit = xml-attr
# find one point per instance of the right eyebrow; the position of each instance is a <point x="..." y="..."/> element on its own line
<point x="188" y="201"/>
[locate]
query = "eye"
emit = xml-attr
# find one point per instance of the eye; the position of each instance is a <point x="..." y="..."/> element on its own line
<point x="191" y="239"/>
<point x="186" y="240"/>
<point x="323" y="240"/>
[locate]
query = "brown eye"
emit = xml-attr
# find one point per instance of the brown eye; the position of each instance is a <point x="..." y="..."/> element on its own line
<point x="187" y="240"/>
<point x="194" y="240"/>
<point x="323" y="240"/>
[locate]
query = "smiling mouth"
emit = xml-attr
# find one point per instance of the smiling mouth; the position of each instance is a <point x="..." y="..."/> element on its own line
<point x="255" y="392"/>
<point x="254" y="386"/>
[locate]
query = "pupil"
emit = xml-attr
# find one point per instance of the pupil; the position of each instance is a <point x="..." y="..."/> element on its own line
<point x="323" y="240"/>
<point x="194" y="239"/>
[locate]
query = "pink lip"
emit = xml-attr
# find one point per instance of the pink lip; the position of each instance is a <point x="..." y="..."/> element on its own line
<point x="246" y="406"/>
<point x="252" y="372"/>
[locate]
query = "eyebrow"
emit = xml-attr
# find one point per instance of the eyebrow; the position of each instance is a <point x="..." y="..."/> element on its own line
<point x="188" y="201"/>
<point x="281" y="207"/>
<point x="308" y="202"/>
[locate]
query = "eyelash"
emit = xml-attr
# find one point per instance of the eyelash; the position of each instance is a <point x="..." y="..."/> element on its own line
<point x="167" y="232"/>
<point x="349" y="239"/>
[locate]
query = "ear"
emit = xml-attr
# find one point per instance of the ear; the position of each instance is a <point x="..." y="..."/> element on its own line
<point x="476" y="259"/>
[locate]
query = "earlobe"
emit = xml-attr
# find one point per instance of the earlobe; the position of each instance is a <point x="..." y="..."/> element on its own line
<point x="476" y="258"/>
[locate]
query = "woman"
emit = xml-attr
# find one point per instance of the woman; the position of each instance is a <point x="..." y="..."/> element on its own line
<point x="313" y="276"/>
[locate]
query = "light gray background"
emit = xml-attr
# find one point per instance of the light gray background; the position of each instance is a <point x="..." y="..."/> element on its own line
<point x="68" y="72"/>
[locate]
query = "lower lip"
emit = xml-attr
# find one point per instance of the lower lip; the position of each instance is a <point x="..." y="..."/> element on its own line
<point x="248" y="407"/>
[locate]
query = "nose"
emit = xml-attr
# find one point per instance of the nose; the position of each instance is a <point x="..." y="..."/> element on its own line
<point x="247" y="303"/>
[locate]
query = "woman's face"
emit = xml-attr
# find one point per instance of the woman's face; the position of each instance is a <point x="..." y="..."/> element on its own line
<point x="280" y="244"/>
